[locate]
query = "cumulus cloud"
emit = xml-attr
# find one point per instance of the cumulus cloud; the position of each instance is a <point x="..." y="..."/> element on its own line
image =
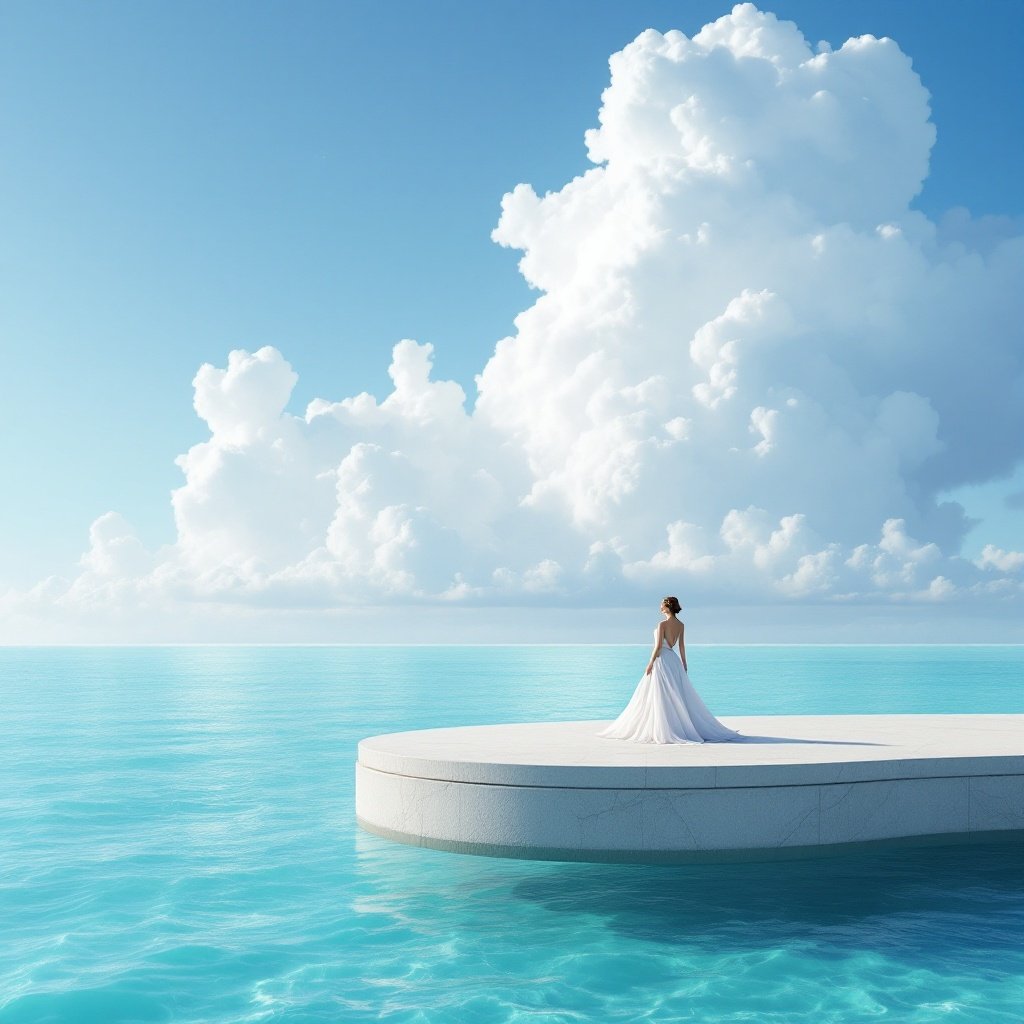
<point x="752" y="368"/>
<point x="1000" y="560"/>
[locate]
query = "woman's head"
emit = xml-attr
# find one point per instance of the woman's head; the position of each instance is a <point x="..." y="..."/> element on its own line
<point x="671" y="604"/>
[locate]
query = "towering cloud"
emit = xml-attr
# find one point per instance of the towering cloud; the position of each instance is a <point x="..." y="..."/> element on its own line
<point x="752" y="368"/>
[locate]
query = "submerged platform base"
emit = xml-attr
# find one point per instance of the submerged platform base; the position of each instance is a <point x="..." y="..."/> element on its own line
<point x="792" y="786"/>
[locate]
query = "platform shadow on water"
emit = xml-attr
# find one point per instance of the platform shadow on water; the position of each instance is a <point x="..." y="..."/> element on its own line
<point x="902" y="902"/>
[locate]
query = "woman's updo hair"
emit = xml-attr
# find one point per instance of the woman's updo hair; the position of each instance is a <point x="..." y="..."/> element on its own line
<point x="672" y="604"/>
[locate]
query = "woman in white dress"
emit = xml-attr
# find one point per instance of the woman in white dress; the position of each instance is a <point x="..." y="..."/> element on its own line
<point x="665" y="708"/>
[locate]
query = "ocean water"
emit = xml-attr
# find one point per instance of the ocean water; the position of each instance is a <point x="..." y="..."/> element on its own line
<point x="177" y="843"/>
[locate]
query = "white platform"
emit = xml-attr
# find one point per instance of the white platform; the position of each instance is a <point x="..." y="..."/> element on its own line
<point x="792" y="786"/>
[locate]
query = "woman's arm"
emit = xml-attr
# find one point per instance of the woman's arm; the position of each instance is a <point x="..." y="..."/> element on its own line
<point x="657" y="649"/>
<point x="682" y="647"/>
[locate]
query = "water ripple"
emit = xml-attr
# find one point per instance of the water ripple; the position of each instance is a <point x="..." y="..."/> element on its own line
<point x="177" y="844"/>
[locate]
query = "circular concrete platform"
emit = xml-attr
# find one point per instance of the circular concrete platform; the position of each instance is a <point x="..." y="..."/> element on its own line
<point x="790" y="786"/>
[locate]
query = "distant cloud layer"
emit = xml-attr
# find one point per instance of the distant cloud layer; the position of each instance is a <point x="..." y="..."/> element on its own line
<point x="750" y="371"/>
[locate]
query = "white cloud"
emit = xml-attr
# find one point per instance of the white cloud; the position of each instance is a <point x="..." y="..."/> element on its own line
<point x="114" y="550"/>
<point x="1003" y="561"/>
<point x="752" y="369"/>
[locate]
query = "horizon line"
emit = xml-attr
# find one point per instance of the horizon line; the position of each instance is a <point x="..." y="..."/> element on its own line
<point x="582" y="643"/>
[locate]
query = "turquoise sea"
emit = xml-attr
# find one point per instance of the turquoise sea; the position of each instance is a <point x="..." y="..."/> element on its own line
<point x="177" y="843"/>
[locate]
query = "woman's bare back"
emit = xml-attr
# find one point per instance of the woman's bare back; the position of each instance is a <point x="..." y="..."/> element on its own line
<point x="671" y="631"/>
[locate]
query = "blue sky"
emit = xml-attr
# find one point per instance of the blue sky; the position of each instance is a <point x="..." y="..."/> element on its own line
<point x="182" y="179"/>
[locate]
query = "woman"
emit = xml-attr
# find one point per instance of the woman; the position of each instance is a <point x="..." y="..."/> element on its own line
<point x="665" y="707"/>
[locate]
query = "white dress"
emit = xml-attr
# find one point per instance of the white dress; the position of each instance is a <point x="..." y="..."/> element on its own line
<point x="665" y="708"/>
